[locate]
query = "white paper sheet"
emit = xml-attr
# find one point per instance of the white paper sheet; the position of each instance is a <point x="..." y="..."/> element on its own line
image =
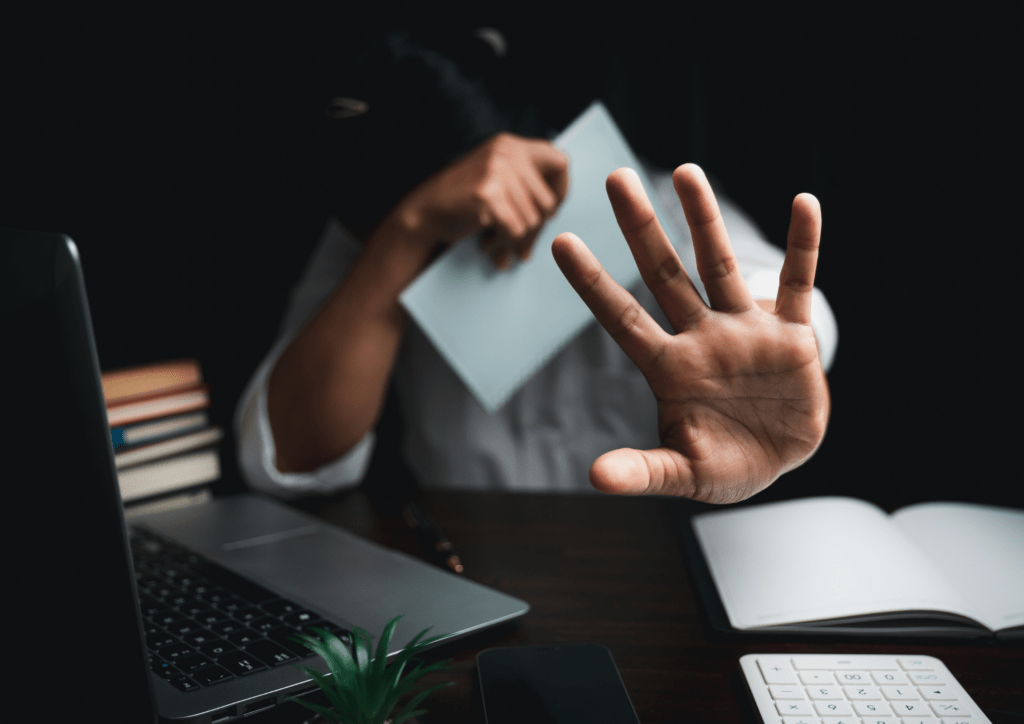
<point x="496" y="328"/>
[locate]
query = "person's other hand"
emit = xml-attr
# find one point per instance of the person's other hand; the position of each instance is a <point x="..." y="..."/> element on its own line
<point x="742" y="396"/>
<point x="508" y="186"/>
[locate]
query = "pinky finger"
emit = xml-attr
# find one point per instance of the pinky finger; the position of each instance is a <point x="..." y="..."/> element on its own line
<point x="797" y="279"/>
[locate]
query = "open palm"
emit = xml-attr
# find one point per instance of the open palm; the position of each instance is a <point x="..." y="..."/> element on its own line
<point x="742" y="396"/>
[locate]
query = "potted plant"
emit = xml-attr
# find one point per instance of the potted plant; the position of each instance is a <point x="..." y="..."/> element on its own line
<point x="364" y="689"/>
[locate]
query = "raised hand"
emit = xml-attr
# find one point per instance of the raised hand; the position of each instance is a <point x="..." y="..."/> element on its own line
<point x="742" y="396"/>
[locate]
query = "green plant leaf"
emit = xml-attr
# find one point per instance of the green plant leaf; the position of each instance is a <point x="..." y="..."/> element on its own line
<point x="407" y="710"/>
<point x="380" y="657"/>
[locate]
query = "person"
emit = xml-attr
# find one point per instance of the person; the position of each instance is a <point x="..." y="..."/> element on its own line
<point x="669" y="394"/>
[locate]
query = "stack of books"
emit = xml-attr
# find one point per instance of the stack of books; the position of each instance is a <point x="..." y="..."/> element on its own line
<point x="164" y="446"/>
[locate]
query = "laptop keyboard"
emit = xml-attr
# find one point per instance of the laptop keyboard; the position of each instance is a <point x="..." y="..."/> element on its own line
<point x="205" y="624"/>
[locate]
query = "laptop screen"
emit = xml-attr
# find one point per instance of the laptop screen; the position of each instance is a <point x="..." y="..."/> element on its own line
<point x="73" y="632"/>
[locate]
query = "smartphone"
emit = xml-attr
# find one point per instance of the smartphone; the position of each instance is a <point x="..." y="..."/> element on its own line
<point x="553" y="685"/>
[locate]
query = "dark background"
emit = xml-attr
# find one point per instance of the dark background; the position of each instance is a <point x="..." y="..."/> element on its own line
<point x="182" y="150"/>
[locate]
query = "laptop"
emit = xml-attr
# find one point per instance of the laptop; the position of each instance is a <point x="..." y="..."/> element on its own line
<point x="197" y="627"/>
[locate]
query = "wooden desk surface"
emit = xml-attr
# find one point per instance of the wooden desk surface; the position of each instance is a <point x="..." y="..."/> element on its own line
<point x="610" y="571"/>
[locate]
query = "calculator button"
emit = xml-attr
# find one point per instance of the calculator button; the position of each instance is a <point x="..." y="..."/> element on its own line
<point x="927" y="678"/>
<point x="864" y="693"/>
<point x="911" y="708"/>
<point x="825" y="692"/>
<point x="833" y="708"/>
<point x="854" y="677"/>
<point x="786" y="692"/>
<point x="901" y="693"/>
<point x="801" y="720"/>
<point x="953" y="709"/>
<point x="817" y="677"/>
<point x="917" y="663"/>
<point x="842" y="663"/>
<point x="794" y="708"/>
<point x="889" y="677"/>
<point x="777" y="671"/>
<point x="872" y="708"/>
<point x="937" y="693"/>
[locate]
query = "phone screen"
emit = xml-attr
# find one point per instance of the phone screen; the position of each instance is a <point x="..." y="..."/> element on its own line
<point x="553" y="685"/>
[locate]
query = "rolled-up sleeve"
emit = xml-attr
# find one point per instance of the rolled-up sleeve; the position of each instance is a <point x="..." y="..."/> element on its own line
<point x="257" y="457"/>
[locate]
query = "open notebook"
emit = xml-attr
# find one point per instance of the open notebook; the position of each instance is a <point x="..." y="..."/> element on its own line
<point x="843" y="566"/>
<point x="496" y="328"/>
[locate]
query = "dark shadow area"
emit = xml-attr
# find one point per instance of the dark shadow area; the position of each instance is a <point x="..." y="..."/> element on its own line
<point x="183" y="151"/>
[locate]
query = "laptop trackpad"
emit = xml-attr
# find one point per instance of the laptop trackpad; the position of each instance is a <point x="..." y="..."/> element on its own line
<point x="353" y="581"/>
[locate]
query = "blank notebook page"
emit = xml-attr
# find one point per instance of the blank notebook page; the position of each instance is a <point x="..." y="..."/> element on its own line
<point x="817" y="558"/>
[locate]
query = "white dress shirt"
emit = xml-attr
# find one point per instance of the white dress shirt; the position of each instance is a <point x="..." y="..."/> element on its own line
<point x="589" y="399"/>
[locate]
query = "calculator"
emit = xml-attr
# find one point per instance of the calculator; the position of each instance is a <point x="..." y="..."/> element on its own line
<point x="856" y="689"/>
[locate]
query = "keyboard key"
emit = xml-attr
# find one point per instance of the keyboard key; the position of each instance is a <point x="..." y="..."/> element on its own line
<point x="232" y="604"/>
<point x="150" y="607"/>
<point x="917" y="663"/>
<point x="184" y="683"/>
<point x="863" y="693"/>
<point x="165" y="616"/>
<point x="817" y="677"/>
<point x="833" y="708"/>
<point x="280" y="607"/>
<point x="825" y="692"/>
<point x="212" y="675"/>
<point x="900" y="693"/>
<point x="175" y="651"/>
<point x="183" y="626"/>
<point x="245" y="637"/>
<point x="872" y="709"/>
<point x="854" y="677"/>
<point x="889" y="677"/>
<point x="794" y="708"/>
<point x="216" y="648"/>
<point x="213" y="594"/>
<point x="782" y="692"/>
<point x="209" y="617"/>
<point x="301" y="618"/>
<point x="190" y="663"/>
<point x="224" y="628"/>
<point x="265" y="624"/>
<point x="272" y="653"/>
<point x="240" y="663"/>
<point x="776" y="671"/>
<point x="165" y="670"/>
<point x="953" y="709"/>
<point x="199" y="637"/>
<point x="937" y="693"/>
<point x="247" y="614"/>
<point x="911" y="708"/>
<point x="178" y="600"/>
<point x="159" y="640"/>
<point x="192" y="608"/>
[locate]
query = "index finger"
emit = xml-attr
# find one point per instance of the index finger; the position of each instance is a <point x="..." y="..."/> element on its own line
<point x="629" y="324"/>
